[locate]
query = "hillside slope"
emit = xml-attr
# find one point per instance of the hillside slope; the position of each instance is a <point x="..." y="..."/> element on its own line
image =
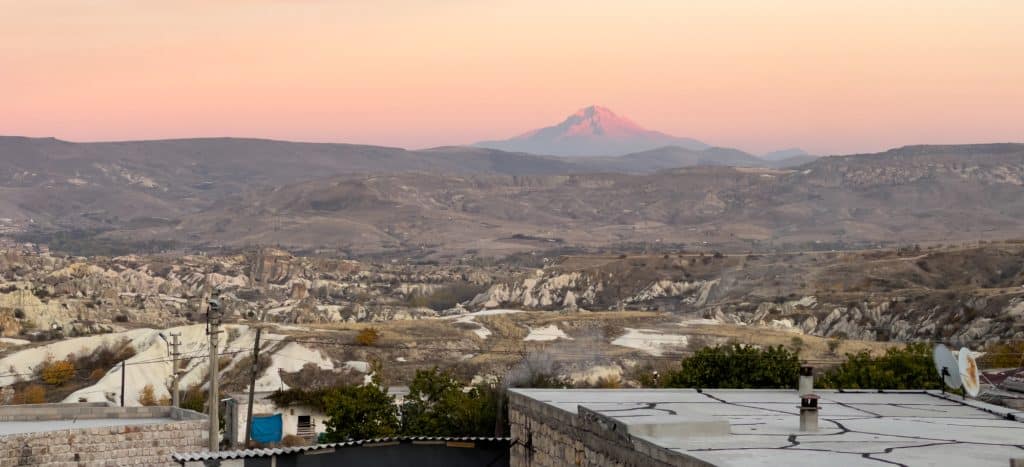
<point x="907" y="195"/>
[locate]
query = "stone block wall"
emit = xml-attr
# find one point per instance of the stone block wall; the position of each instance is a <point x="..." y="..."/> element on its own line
<point x="546" y="436"/>
<point x="149" y="444"/>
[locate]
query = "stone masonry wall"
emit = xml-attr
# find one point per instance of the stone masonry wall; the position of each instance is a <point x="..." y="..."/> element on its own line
<point x="545" y="436"/>
<point x="148" y="444"/>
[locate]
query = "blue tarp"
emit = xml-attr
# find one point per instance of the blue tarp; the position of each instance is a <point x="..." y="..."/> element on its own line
<point x="267" y="429"/>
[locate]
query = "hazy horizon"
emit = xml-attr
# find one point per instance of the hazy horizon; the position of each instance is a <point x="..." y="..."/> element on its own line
<point x="761" y="76"/>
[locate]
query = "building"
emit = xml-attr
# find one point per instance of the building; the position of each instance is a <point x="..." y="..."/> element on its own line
<point x="688" y="427"/>
<point x="96" y="434"/>
<point x="388" y="452"/>
<point x="298" y="420"/>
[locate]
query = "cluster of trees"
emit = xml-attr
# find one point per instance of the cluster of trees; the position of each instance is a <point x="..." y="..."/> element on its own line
<point x="909" y="367"/>
<point x="437" y="405"/>
<point x="54" y="379"/>
<point x="739" y="366"/>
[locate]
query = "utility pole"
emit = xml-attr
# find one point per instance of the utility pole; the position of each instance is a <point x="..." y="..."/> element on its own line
<point x="122" y="383"/>
<point x="252" y="388"/>
<point x="213" y="315"/>
<point x="175" y="372"/>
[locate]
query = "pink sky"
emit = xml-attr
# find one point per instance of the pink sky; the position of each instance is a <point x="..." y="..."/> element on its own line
<point x="828" y="76"/>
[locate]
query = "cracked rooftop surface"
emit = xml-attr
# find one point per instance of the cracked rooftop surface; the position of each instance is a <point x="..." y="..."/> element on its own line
<point x="855" y="427"/>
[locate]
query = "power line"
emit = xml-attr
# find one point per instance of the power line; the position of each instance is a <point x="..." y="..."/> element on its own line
<point x="144" y="362"/>
<point x="230" y="351"/>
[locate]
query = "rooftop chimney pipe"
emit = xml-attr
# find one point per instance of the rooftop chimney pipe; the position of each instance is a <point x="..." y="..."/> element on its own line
<point x="808" y="400"/>
<point x="806" y="380"/>
<point x="809" y="412"/>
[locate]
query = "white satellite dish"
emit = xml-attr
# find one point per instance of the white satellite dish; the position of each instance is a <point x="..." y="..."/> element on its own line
<point x="969" y="372"/>
<point x="946" y="365"/>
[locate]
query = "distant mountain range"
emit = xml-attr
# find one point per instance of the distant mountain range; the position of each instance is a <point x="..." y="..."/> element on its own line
<point x="784" y="154"/>
<point x="227" y="191"/>
<point x="61" y="184"/>
<point x="904" y="196"/>
<point x="592" y="131"/>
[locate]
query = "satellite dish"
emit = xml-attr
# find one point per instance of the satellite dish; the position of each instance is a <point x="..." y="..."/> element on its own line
<point x="946" y="365"/>
<point x="969" y="373"/>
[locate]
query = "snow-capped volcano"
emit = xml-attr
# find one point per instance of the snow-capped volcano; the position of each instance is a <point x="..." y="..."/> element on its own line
<point x="591" y="131"/>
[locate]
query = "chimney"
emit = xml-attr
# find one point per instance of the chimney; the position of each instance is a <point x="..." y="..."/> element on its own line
<point x="809" y="412"/>
<point x="806" y="385"/>
<point x="808" y="400"/>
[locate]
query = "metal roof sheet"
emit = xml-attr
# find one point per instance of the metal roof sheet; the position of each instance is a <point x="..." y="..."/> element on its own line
<point x="252" y="453"/>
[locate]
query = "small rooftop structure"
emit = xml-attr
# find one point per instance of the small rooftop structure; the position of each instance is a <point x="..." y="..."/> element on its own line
<point x="91" y="433"/>
<point x="759" y="427"/>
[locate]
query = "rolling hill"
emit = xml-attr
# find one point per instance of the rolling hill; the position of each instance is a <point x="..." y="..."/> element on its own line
<point x="908" y="195"/>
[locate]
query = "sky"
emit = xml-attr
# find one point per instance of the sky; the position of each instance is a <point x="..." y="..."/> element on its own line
<point x="831" y="77"/>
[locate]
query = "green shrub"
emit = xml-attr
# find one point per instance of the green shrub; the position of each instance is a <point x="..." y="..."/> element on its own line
<point x="439" y="405"/>
<point x="737" y="366"/>
<point x="360" y="412"/>
<point x="909" y="367"/>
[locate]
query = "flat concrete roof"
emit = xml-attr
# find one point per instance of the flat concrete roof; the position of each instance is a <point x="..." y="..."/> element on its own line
<point x="857" y="428"/>
<point x="41" y="426"/>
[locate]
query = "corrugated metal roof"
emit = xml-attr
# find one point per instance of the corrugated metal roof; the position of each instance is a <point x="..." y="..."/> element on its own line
<point x="252" y="453"/>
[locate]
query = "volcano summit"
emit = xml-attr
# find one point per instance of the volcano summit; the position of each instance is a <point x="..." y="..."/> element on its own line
<point x="591" y="131"/>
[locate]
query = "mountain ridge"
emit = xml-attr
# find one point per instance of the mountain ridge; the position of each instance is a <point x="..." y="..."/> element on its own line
<point x="591" y="131"/>
<point x="833" y="202"/>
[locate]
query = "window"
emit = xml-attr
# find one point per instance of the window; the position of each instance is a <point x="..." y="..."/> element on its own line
<point x="305" y="427"/>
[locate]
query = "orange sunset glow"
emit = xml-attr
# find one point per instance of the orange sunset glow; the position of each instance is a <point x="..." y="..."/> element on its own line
<point x="759" y="75"/>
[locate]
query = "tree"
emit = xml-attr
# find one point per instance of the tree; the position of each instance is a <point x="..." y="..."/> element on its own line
<point x="833" y="346"/>
<point x="194" y="399"/>
<point x="797" y="344"/>
<point x="360" y="412"/>
<point x="368" y="336"/>
<point x="32" y="394"/>
<point x="737" y="366"/>
<point x="909" y="367"/>
<point x="313" y="398"/>
<point x="147" y="396"/>
<point x="58" y="372"/>
<point x="439" y="405"/>
<point x="536" y="370"/>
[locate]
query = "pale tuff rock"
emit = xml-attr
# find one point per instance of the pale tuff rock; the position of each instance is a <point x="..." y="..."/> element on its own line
<point x="569" y="303"/>
<point x="539" y="292"/>
<point x="684" y="289"/>
<point x="1016" y="308"/>
<point x="593" y="373"/>
<point x="575" y="290"/>
<point x="650" y="341"/>
<point x="546" y="333"/>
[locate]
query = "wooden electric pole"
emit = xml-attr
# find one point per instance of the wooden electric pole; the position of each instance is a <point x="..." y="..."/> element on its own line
<point x="213" y="314"/>
<point x="122" y="383"/>
<point x="175" y="372"/>
<point x="252" y="388"/>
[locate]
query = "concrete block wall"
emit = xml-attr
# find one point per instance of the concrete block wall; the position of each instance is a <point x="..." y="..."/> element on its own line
<point x="149" y="444"/>
<point x="95" y="410"/>
<point x="545" y="436"/>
